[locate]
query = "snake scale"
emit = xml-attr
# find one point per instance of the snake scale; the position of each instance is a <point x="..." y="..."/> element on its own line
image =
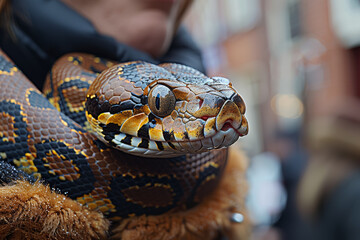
<point x="171" y="123"/>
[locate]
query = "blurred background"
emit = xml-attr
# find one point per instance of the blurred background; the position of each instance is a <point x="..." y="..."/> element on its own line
<point x="297" y="65"/>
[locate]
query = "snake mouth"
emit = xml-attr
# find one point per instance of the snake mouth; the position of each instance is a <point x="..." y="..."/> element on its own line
<point x="240" y="131"/>
<point x="203" y="135"/>
<point x="141" y="135"/>
<point x="225" y="137"/>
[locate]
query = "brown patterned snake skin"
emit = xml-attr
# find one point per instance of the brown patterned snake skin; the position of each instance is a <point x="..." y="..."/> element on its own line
<point x="171" y="123"/>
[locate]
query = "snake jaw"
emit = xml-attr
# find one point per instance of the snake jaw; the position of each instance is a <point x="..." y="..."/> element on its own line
<point x="172" y="136"/>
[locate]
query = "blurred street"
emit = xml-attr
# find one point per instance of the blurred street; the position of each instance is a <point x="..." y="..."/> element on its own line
<point x="296" y="63"/>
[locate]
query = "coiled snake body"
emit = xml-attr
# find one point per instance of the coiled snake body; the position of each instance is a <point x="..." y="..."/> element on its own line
<point x="170" y="122"/>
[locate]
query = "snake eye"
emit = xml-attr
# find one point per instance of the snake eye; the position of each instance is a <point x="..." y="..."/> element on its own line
<point x="161" y="101"/>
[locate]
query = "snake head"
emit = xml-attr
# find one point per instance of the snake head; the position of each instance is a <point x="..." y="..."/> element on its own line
<point x="165" y="110"/>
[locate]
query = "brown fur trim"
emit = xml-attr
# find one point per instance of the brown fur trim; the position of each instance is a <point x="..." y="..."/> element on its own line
<point x="205" y="221"/>
<point x="35" y="212"/>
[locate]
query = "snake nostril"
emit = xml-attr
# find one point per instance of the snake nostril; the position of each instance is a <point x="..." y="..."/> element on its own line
<point x="226" y="126"/>
<point x="200" y="102"/>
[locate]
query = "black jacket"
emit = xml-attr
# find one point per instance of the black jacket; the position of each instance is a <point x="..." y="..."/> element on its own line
<point x="339" y="216"/>
<point x="47" y="29"/>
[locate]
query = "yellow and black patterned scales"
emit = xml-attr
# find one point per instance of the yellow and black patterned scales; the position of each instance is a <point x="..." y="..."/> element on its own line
<point x="171" y="123"/>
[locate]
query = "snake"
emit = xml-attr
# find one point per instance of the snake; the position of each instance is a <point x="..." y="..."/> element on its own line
<point x="125" y="139"/>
